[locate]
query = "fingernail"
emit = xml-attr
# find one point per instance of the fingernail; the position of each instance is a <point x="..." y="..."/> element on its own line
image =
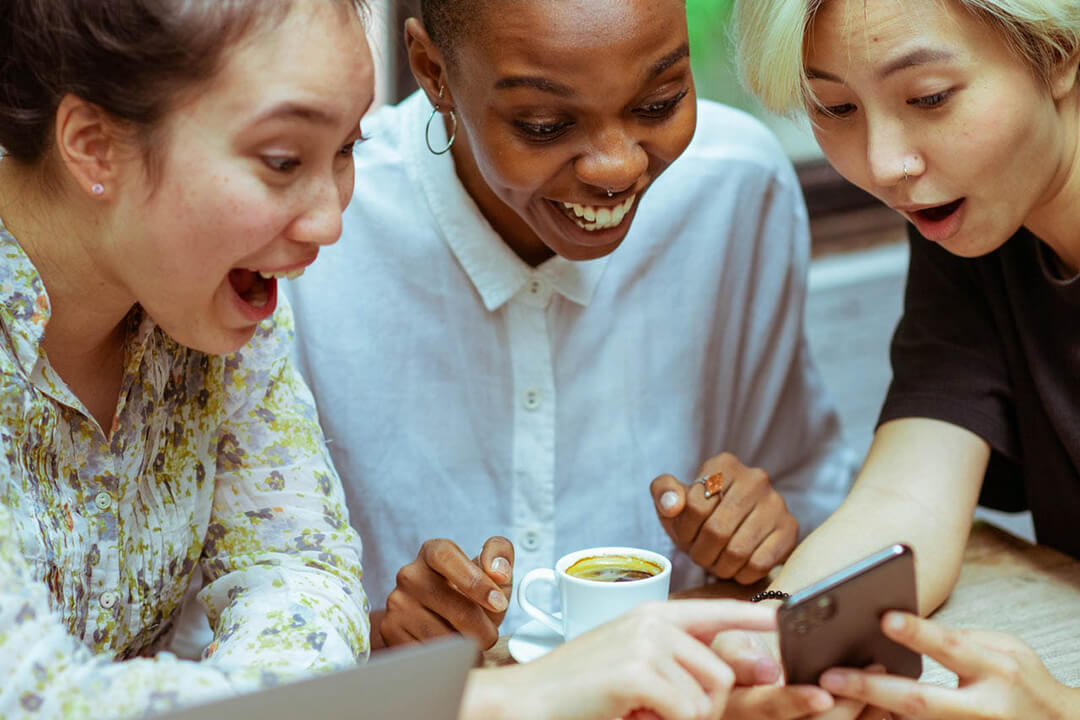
<point x="820" y="702"/>
<point x="669" y="500"/>
<point x="501" y="565"/>
<point x="834" y="680"/>
<point x="895" y="621"/>
<point x="497" y="600"/>
<point x="766" y="671"/>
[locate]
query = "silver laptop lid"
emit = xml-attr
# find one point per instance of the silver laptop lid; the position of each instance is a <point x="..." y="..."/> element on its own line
<point x="420" y="681"/>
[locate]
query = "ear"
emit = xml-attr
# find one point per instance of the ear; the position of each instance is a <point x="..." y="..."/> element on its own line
<point x="427" y="63"/>
<point x="1064" y="78"/>
<point x="87" y="144"/>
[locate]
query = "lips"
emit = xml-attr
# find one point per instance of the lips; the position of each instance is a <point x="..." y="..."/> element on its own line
<point x="940" y="212"/>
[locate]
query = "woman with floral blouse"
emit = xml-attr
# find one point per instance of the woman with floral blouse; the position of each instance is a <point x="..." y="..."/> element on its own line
<point x="165" y="164"/>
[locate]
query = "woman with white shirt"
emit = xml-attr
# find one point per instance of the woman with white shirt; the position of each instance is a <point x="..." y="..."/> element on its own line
<point x="564" y="276"/>
<point x="165" y="163"/>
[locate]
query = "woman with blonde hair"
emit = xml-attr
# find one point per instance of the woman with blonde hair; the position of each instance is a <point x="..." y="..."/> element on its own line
<point x="963" y="116"/>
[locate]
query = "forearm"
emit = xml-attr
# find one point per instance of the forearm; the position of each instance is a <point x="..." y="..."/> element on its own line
<point x="928" y="506"/>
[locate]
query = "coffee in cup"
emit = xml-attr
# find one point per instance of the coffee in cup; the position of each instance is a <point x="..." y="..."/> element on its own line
<point x="613" y="568"/>
<point x="597" y="585"/>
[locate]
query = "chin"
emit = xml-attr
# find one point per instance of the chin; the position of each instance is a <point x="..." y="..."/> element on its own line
<point x="218" y="341"/>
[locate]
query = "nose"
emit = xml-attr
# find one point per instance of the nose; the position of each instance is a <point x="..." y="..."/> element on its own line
<point x="615" y="161"/>
<point x="319" y="222"/>
<point x="890" y="155"/>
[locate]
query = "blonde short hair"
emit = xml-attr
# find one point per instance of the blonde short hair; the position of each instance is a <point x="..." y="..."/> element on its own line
<point x="770" y="37"/>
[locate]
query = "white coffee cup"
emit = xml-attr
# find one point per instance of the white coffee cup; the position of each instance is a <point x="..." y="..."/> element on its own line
<point x="588" y="603"/>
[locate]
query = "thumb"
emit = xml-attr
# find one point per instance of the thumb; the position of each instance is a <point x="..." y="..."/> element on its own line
<point x="669" y="496"/>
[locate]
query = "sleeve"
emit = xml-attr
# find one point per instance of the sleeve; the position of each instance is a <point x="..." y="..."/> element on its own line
<point x="281" y="562"/>
<point x="45" y="672"/>
<point x="785" y="421"/>
<point x="949" y="363"/>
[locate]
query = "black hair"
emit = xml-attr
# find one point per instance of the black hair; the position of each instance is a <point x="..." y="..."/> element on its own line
<point x="446" y="21"/>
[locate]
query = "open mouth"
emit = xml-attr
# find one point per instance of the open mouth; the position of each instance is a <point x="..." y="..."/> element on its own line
<point x="253" y="287"/>
<point x="595" y="218"/>
<point x="941" y="212"/>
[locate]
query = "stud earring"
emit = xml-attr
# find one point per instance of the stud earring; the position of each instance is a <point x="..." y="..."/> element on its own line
<point x="97" y="189"/>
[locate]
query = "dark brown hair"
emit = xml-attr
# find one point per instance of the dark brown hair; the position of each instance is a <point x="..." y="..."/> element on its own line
<point x="131" y="58"/>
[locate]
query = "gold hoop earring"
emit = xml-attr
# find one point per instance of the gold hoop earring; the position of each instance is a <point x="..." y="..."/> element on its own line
<point x="453" y="127"/>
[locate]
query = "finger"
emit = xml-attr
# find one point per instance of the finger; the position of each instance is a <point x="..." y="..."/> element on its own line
<point x="703" y="619"/>
<point x="699" y="687"/>
<point x="497" y="560"/>
<point x="843" y="709"/>
<point x="691" y="521"/>
<point x="899" y="694"/>
<point x="951" y="648"/>
<point x="749" y="658"/>
<point x="408" y="621"/>
<point x="436" y="594"/>
<point x="777" y="702"/>
<point x="772" y="551"/>
<point x="447" y="559"/>
<point x="669" y="495"/>
<point x="753" y="530"/>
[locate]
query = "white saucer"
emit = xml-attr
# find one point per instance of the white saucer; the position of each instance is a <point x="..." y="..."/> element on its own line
<point x="533" y="640"/>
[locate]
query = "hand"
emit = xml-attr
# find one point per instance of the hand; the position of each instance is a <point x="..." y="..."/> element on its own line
<point x="742" y="535"/>
<point x="652" y="662"/>
<point x="443" y="591"/>
<point x="999" y="676"/>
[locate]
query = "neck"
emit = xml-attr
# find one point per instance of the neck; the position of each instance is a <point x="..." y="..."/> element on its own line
<point x="62" y="232"/>
<point x="1056" y="220"/>
<point x="513" y="230"/>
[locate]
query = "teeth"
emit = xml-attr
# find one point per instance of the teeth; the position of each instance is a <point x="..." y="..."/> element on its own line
<point x="599" y="218"/>
<point x="282" y="275"/>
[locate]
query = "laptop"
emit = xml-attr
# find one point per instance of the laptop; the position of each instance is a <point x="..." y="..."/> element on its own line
<point x="419" y="681"/>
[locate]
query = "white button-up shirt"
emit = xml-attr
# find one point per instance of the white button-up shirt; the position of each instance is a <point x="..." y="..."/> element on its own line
<point x="467" y="394"/>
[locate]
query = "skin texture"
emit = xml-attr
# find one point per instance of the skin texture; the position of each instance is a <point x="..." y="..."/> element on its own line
<point x="967" y="98"/>
<point x="235" y="192"/>
<point x="560" y="101"/>
<point x="742" y="536"/>
<point x="520" y="148"/>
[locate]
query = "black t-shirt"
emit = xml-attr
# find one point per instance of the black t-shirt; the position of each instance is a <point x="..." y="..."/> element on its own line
<point x="992" y="344"/>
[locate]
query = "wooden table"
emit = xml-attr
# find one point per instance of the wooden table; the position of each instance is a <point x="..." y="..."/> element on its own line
<point x="1005" y="584"/>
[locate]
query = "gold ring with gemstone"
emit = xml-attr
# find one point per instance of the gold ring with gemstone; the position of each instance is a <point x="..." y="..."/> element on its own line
<point x="714" y="485"/>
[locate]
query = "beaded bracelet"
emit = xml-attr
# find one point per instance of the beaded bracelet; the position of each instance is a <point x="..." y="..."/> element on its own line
<point x="770" y="595"/>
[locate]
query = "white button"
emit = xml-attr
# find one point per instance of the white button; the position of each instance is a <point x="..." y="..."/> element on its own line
<point x="108" y="599"/>
<point x="103" y="500"/>
<point x="532" y="399"/>
<point x="530" y="540"/>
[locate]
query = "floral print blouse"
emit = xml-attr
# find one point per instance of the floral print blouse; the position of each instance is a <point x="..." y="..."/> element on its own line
<point x="215" y="461"/>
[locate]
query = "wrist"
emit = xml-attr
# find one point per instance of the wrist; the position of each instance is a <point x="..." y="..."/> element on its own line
<point x="496" y="694"/>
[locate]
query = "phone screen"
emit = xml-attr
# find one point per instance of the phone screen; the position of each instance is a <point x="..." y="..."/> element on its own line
<point x="836" y="622"/>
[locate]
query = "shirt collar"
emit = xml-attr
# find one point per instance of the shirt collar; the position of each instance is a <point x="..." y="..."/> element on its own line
<point x="24" y="304"/>
<point x="496" y="272"/>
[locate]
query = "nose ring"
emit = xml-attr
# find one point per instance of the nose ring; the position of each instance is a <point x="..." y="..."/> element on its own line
<point x="905" y="170"/>
<point x="610" y="193"/>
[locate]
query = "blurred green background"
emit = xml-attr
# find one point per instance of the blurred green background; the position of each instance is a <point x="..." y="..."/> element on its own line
<point x="712" y="52"/>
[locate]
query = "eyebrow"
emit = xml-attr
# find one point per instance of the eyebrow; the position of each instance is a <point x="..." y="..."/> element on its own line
<point x="550" y="86"/>
<point x="683" y="51"/>
<point x="294" y="110"/>
<point x="921" y="56"/>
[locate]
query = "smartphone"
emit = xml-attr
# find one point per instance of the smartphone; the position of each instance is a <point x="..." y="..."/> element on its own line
<point x="836" y="622"/>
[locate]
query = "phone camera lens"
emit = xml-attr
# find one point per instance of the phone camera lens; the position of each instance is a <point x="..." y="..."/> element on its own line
<point x="823" y="610"/>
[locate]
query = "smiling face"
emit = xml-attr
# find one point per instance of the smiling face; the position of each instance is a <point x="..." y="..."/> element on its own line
<point x="561" y="103"/>
<point x="927" y="87"/>
<point x="256" y="172"/>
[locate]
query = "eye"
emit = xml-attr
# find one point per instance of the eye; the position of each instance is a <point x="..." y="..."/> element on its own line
<point x="662" y="109"/>
<point x="542" y="132"/>
<point x="835" y="111"/>
<point x="930" y="101"/>
<point x="281" y="164"/>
